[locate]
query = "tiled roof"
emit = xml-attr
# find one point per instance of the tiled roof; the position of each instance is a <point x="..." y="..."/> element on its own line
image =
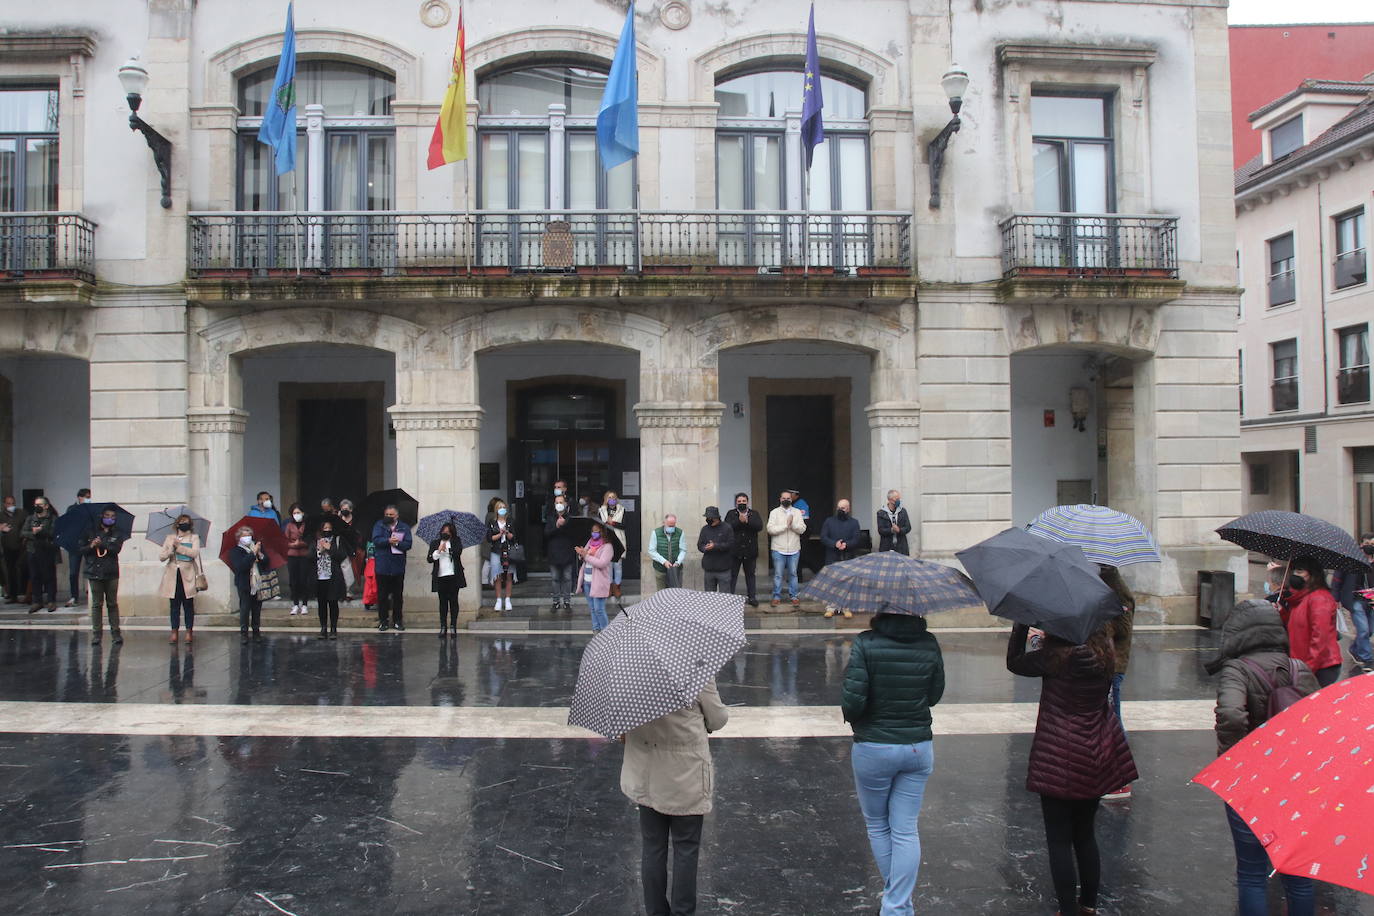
<point x="1339" y="87"/>
<point x="1359" y="121"/>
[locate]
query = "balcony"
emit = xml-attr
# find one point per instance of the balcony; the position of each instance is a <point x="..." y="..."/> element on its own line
<point x="760" y="245"/>
<point x="46" y="256"/>
<point x="1350" y="268"/>
<point x="1283" y="395"/>
<point x="1090" y="257"/>
<point x="1352" y="385"/>
<point x="1283" y="287"/>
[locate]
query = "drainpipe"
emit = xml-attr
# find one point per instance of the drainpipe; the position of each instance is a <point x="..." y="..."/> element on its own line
<point x="1321" y="266"/>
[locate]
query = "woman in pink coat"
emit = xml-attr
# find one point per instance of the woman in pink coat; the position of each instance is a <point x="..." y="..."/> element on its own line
<point x="594" y="575"/>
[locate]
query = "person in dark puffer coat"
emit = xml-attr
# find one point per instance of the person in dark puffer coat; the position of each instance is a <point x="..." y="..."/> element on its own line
<point x="895" y="675"/>
<point x="1255" y="632"/>
<point x="1079" y="754"/>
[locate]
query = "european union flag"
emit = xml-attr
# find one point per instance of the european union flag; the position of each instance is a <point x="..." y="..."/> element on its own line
<point x="617" y="121"/>
<point x="278" y="128"/>
<point x="812" y="125"/>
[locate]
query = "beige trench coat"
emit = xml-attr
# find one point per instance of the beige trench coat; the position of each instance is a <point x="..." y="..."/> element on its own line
<point x="171" y="566"/>
<point x="667" y="763"/>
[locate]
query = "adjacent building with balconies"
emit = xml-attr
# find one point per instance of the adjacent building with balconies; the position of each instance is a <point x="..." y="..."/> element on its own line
<point x="1302" y="211"/>
<point x="1038" y="310"/>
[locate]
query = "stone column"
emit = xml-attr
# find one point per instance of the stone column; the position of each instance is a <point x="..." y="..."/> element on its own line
<point x="558" y="192"/>
<point x="895" y="452"/>
<point x="436" y="462"/>
<point x="216" y="487"/>
<point x="679" y="472"/>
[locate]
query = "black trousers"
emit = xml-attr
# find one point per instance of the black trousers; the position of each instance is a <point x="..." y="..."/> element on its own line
<point x="749" y="566"/>
<point x="16" y="573"/>
<point x="655" y="829"/>
<point x="389" y="599"/>
<point x="1075" y="866"/>
<point x="43" y="576"/>
<point x="300" y="570"/>
<point x="448" y="605"/>
<point x="329" y="611"/>
<point x="74" y="559"/>
<point x="250" y="612"/>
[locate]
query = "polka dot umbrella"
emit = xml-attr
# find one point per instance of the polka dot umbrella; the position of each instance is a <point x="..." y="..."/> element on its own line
<point x="1288" y="535"/>
<point x="1304" y="783"/>
<point x="654" y="658"/>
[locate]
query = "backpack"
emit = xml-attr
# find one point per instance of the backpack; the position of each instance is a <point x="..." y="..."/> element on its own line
<point x="1280" y="696"/>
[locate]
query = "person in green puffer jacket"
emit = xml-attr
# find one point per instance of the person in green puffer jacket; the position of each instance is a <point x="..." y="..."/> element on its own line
<point x="895" y="675"/>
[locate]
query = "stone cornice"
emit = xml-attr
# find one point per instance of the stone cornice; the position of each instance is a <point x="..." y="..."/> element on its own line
<point x="893" y="413"/>
<point x="35" y="46"/>
<point x="679" y="414"/>
<point x="1076" y="55"/>
<point x="416" y="418"/>
<point x="217" y="420"/>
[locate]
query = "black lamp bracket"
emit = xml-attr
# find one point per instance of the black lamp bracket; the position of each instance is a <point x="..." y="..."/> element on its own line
<point x="160" y="145"/>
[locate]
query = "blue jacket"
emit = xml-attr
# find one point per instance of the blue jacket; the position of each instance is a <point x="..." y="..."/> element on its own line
<point x="241" y="562"/>
<point x="835" y="530"/>
<point x="386" y="562"/>
<point x="256" y="511"/>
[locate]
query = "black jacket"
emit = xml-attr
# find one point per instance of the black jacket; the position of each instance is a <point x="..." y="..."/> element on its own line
<point x="333" y="588"/>
<point x="458" y="579"/>
<point x="746" y="533"/>
<point x="558" y="542"/>
<point x="241" y="562"/>
<point x="717" y="559"/>
<point x="834" y="530"/>
<point x="895" y="674"/>
<point x="888" y="539"/>
<point x="97" y="566"/>
<point x="1345" y="584"/>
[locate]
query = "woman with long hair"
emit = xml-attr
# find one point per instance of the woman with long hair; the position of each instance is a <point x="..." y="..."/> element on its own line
<point x="330" y="554"/>
<point x="594" y="575"/>
<point x="1123" y="630"/>
<point x="299" y="557"/>
<point x="1078" y="754"/>
<point x="446" y="576"/>
<point x="501" y="536"/>
<point x="612" y="515"/>
<point x="1308" y="610"/>
<point x="180" y="556"/>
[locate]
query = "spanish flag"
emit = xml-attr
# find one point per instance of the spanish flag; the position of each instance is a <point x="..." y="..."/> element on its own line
<point x="450" y="140"/>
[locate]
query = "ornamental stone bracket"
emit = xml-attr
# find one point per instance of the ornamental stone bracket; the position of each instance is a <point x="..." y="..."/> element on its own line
<point x="679" y="414"/>
<point x="416" y="418"/>
<point x="886" y="414"/>
<point x="217" y="420"/>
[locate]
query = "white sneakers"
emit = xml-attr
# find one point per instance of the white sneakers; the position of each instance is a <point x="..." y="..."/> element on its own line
<point x="297" y="609"/>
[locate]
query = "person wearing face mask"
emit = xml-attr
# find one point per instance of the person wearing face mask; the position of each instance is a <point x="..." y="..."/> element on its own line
<point x="668" y="551"/>
<point x="329" y="554"/>
<point x="391" y="541"/>
<point x="501" y="536"/>
<point x="100" y="547"/>
<point x="559" y="544"/>
<point x="893" y="525"/>
<point x="446" y="577"/>
<point x="840" y="535"/>
<point x="560" y="488"/>
<point x="265" y="507"/>
<point x="42" y="555"/>
<point x="1350" y="589"/>
<point x="612" y="514"/>
<point x="74" y="557"/>
<point x="594" y="575"/>
<point x="247" y="554"/>
<point x="299" y="560"/>
<point x="716" y="543"/>
<point x="12" y="545"/>
<point x="180" y="555"/>
<point x="745" y="524"/>
<point x="353" y="570"/>
<point x="1309" y="613"/>
<point x="786" y="528"/>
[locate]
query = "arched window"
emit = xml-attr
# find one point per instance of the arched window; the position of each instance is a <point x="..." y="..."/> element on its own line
<point x="759" y="166"/>
<point x="359" y="140"/>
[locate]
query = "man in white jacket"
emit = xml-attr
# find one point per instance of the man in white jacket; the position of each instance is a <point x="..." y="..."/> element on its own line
<point x="786" y="527"/>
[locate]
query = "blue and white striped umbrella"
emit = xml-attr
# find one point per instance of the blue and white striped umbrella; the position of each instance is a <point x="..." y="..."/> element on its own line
<point x="1106" y="536"/>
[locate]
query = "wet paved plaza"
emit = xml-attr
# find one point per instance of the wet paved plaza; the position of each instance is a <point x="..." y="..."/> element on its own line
<point x="403" y="773"/>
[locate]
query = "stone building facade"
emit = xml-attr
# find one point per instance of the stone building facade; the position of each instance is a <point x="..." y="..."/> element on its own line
<point x="1056" y="325"/>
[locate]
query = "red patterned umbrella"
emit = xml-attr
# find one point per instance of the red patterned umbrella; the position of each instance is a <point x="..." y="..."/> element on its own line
<point x="265" y="531"/>
<point x="1304" y="783"/>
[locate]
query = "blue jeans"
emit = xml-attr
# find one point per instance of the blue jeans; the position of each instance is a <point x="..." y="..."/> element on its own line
<point x="1252" y="875"/>
<point x="891" y="780"/>
<point x="1363" y="616"/>
<point x="617" y="571"/>
<point x="598" y="609"/>
<point x="784" y="562"/>
<point x="1116" y="699"/>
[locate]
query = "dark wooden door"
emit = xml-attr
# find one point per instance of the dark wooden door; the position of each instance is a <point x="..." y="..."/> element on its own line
<point x="331" y="450"/>
<point x="801" y="451"/>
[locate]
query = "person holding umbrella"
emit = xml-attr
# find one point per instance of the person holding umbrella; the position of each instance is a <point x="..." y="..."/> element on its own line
<point x="895" y="675"/>
<point x="246" y="555"/>
<point x="1308" y="611"/>
<point x="1079" y="753"/>
<point x="594" y="575"/>
<point x="1253" y="663"/>
<point x="100" y="547"/>
<point x="180" y="555"/>
<point x="298" y="557"/>
<point x="446" y="575"/>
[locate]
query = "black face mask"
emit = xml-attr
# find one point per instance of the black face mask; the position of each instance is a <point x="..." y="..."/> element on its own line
<point x="743" y="507"/>
<point x="841" y="514"/>
<point x="787" y="504"/>
<point x="326" y="534"/>
<point x="184" y="526"/>
<point x="1368" y="550"/>
<point x="1297" y="583"/>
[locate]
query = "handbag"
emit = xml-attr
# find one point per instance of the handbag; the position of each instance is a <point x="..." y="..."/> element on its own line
<point x="269" y="585"/>
<point x="202" y="583"/>
<point x="516" y="553"/>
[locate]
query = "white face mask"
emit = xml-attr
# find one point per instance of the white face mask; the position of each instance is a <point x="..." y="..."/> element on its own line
<point x="561" y="507"/>
<point x="245" y="541"/>
<point x="267" y="503"/>
<point x="297" y="516"/>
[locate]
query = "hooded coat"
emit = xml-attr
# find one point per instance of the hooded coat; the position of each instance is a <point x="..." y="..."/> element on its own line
<point x="895" y="675"/>
<point x="1079" y="750"/>
<point x="1253" y="631"/>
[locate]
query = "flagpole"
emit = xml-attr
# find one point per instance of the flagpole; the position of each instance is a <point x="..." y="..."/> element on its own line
<point x="806" y="224"/>
<point x="467" y="212"/>
<point x="300" y="226"/>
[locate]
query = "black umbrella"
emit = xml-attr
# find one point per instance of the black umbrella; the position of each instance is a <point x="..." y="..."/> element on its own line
<point x="1289" y="535"/>
<point x="654" y="658"/>
<point x="581" y="530"/>
<point x="1039" y="582"/>
<point x="367" y="513"/>
<point x="68" y="528"/>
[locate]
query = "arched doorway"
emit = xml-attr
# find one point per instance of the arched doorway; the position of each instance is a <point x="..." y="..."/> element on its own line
<point x="45" y="426"/>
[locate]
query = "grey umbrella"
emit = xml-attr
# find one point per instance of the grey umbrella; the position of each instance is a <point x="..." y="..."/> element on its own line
<point x="160" y="524"/>
<point x="654" y="658"/>
<point x="1043" y="583"/>
<point x="889" y="582"/>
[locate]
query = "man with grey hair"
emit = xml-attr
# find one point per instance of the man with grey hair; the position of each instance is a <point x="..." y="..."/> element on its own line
<point x="893" y="525"/>
<point x="668" y="550"/>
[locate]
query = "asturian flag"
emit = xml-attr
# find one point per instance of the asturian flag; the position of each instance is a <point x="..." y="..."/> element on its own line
<point x="617" y="121"/>
<point x="278" y="128"/>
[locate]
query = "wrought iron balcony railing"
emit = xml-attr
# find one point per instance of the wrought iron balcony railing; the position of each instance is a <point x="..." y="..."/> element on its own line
<point x="1350" y="267"/>
<point x="46" y="243"/>
<point x="1352" y="385"/>
<point x="1089" y="245"/>
<point x="1283" y="287"/>
<point x="392" y="243"/>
